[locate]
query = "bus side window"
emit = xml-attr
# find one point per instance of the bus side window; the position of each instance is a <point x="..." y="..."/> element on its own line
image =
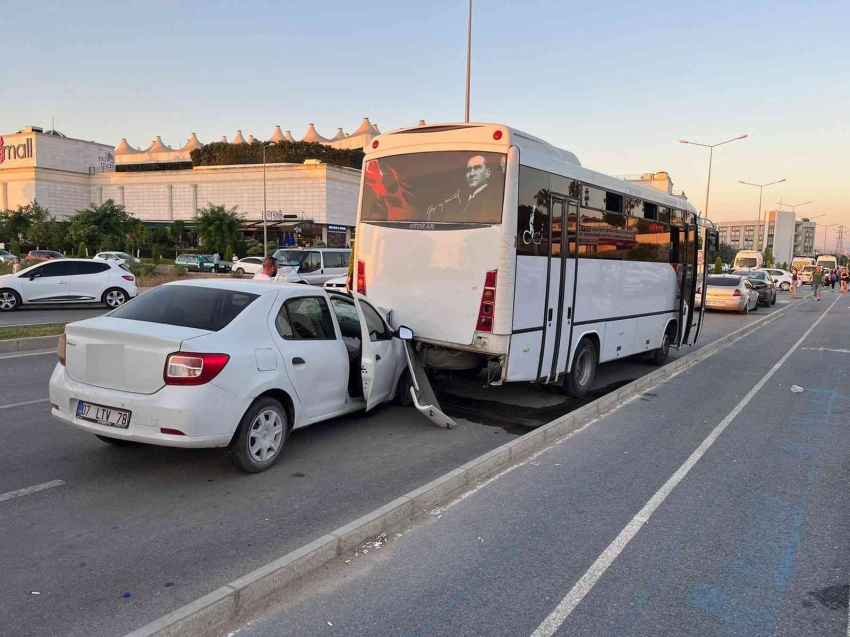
<point x="603" y="235"/>
<point x="532" y="232"/>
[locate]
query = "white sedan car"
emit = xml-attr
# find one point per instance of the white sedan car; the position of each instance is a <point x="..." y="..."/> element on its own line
<point x="781" y="278"/>
<point x="120" y="257"/>
<point x="235" y="364"/>
<point x="68" y="281"/>
<point x="248" y="265"/>
<point x="336" y="285"/>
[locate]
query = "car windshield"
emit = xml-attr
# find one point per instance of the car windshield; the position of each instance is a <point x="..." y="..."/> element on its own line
<point x="724" y="281"/>
<point x="56" y="255"/>
<point x="202" y="308"/>
<point x="289" y="257"/>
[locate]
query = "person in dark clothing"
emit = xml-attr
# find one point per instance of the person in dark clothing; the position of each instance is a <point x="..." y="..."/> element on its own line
<point x="833" y="278"/>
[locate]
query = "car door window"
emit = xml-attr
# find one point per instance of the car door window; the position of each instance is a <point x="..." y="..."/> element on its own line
<point x="346" y="316"/>
<point x="56" y="269"/>
<point x="305" y="318"/>
<point x="333" y="259"/>
<point x="312" y="262"/>
<point x="83" y="268"/>
<point x="378" y="330"/>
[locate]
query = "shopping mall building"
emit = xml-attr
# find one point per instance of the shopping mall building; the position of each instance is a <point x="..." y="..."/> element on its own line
<point x="158" y="185"/>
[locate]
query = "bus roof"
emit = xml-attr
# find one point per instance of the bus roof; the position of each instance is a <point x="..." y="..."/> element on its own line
<point x="534" y="152"/>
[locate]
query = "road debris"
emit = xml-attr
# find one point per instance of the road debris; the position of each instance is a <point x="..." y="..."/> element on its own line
<point x="377" y="543"/>
<point x="796" y="389"/>
<point x="330" y="624"/>
<point x="35" y="593"/>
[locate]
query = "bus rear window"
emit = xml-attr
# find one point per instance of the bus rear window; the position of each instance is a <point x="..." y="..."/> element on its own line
<point x="436" y="187"/>
<point x="744" y="262"/>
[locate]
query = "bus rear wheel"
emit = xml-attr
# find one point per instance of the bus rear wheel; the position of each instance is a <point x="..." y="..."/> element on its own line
<point x="578" y="380"/>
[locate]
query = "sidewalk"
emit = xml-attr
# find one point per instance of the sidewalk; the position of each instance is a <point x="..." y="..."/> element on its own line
<point x="745" y="544"/>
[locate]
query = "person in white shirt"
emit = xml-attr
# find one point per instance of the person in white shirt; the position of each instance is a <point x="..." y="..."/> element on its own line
<point x="269" y="270"/>
<point x="216" y="261"/>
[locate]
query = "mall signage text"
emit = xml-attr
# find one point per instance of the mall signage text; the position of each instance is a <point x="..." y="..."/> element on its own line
<point x="15" y="151"/>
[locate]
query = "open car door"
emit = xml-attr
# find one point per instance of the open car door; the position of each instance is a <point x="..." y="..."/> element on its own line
<point x="376" y="373"/>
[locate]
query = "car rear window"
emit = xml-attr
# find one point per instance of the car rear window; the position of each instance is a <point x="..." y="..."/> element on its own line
<point x="724" y="281"/>
<point x="202" y="308"/>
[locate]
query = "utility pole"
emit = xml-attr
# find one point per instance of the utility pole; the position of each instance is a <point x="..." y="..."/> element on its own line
<point x="468" y="62"/>
<point x="840" y="246"/>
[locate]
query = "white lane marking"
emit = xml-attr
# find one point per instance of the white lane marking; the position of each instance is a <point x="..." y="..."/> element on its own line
<point x="38" y="353"/>
<point x="33" y="489"/>
<point x="25" y="403"/>
<point x="558" y="616"/>
<point x="827" y="349"/>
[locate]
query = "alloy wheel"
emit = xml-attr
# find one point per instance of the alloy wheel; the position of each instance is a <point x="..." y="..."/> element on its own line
<point x="8" y="301"/>
<point x="265" y="436"/>
<point x="115" y="298"/>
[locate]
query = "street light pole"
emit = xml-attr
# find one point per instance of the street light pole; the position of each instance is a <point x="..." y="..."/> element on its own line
<point x="794" y="207"/>
<point x="265" y="228"/>
<point x="710" y="157"/>
<point x="468" y="60"/>
<point x="761" y="187"/>
<point x="826" y="232"/>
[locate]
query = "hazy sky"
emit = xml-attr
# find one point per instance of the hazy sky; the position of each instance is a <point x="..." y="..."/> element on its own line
<point x="618" y="83"/>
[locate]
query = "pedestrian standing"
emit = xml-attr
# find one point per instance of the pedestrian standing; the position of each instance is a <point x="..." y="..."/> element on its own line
<point x="817" y="281"/>
<point x="269" y="270"/>
<point x="833" y="278"/>
<point x="216" y="262"/>
<point x="845" y="279"/>
<point x="201" y="263"/>
<point x="793" y="283"/>
<point x="233" y="262"/>
<point x="16" y="265"/>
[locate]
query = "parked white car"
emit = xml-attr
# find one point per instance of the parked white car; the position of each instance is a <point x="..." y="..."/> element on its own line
<point x="68" y="281"/>
<point x="248" y="265"/>
<point x="336" y="285"/>
<point x="781" y="278"/>
<point x="120" y="257"/>
<point x="226" y="363"/>
<point x="6" y="256"/>
<point x="313" y="266"/>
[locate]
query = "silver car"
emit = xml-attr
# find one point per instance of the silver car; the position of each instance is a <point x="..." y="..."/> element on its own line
<point x="728" y="292"/>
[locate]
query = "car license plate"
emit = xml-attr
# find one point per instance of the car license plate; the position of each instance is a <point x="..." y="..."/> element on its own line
<point x="716" y="303"/>
<point x="103" y="415"/>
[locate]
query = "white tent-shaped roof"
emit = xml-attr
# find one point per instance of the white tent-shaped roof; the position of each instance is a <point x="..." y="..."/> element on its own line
<point x="238" y="139"/>
<point x="192" y="144"/>
<point x="125" y="149"/>
<point x="339" y="135"/>
<point x="158" y="146"/>
<point x="288" y="136"/>
<point x="365" y="128"/>
<point x="313" y="136"/>
<point x="277" y="136"/>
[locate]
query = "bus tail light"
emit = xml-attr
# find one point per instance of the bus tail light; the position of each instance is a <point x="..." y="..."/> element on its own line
<point x="488" y="303"/>
<point x="361" y="277"/>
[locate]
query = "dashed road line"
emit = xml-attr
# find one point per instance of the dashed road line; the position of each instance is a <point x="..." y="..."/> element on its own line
<point x="33" y="489"/>
<point x="25" y="403"/>
<point x="38" y="353"/>
<point x="555" y="620"/>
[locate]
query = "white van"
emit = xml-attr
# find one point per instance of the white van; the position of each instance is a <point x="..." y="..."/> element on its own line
<point x="751" y="259"/>
<point x="828" y="262"/>
<point x="313" y="266"/>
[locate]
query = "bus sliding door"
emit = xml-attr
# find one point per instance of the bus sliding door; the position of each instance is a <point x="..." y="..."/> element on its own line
<point x="689" y="277"/>
<point x="558" y="305"/>
<point x="711" y="243"/>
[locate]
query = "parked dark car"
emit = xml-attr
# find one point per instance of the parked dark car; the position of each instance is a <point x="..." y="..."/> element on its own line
<point x="191" y="263"/>
<point x="764" y="284"/>
<point x="44" y="255"/>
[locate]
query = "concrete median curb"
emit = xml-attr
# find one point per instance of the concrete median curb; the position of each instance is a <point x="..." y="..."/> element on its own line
<point x="207" y="615"/>
<point x="28" y="344"/>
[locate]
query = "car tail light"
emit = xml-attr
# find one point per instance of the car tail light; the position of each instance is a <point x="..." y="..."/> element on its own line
<point x="128" y="277"/>
<point x="488" y="303"/>
<point x="193" y="369"/>
<point x="62" y="349"/>
<point x="737" y="292"/>
<point x="361" y="277"/>
<point x="171" y="432"/>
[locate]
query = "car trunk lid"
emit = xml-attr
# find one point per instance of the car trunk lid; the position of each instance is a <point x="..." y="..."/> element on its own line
<point x="122" y="354"/>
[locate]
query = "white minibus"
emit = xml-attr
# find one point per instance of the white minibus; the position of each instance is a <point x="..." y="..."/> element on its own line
<point x="749" y="259"/>
<point x="827" y="261"/>
<point x="493" y="245"/>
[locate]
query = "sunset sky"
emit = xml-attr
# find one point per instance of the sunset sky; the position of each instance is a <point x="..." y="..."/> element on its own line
<point x="617" y="83"/>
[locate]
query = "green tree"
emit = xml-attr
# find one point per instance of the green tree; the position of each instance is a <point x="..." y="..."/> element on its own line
<point x="768" y="257"/>
<point x="16" y="248"/>
<point x="106" y="225"/>
<point x="57" y="235"/>
<point x="16" y="223"/>
<point x="82" y="250"/>
<point x="157" y="253"/>
<point x="228" y="254"/>
<point x="718" y="266"/>
<point x="217" y="226"/>
<point x="38" y="230"/>
<point x="176" y="231"/>
<point x="137" y="237"/>
<point x="727" y="253"/>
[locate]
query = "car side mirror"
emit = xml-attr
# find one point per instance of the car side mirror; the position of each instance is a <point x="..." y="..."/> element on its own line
<point x="404" y="333"/>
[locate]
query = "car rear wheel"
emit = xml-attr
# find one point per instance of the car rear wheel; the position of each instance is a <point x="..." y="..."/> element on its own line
<point x="260" y="437"/>
<point x="240" y="272"/>
<point x="114" y="297"/>
<point x="746" y="309"/>
<point x="578" y="380"/>
<point x="9" y="301"/>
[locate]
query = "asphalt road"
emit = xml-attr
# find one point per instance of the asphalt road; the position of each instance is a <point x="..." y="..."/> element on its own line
<point x="716" y="504"/>
<point x="43" y="314"/>
<point x="168" y="526"/>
